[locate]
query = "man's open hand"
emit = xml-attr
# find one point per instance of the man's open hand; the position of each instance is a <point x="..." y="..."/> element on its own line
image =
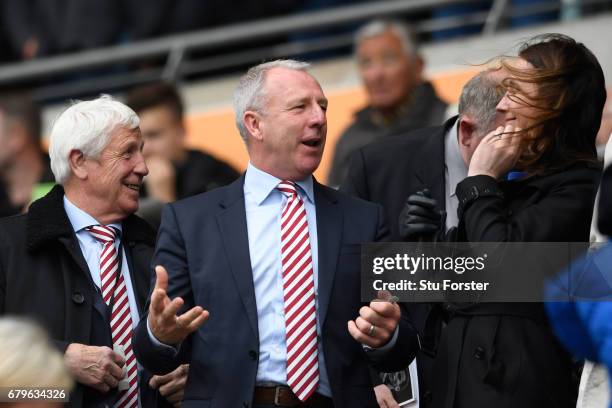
<point x="165" y="325"/>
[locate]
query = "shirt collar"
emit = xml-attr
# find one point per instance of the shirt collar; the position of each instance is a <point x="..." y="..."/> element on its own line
<point x="260" y="184"/>
<point x="80" y="219"/>
<point x="454" y="163"/>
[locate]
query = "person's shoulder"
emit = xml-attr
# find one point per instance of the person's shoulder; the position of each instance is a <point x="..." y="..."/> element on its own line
<point x="400" y="145"/>
<point x="221" y="195"/>
<point x="580" y="173"/>
<point x="347" y="201"/>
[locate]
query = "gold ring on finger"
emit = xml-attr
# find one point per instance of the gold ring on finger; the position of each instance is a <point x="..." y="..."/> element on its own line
<point x="372" y="330"/>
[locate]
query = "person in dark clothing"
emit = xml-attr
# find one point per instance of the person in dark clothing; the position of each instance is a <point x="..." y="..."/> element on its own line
<point x="399" y="99"/>
<point x="505" y="354"/>
<point x="175" y="172"/>
<point x="389" y="171"/>
<point x="24" y="168"/>
<point x="78" y="261"/>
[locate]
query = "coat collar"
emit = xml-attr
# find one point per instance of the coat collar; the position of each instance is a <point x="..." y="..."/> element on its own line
<point x="47" y="221"/>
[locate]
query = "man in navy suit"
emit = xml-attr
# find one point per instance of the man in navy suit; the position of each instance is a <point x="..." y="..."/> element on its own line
<point x="258" y="283"/>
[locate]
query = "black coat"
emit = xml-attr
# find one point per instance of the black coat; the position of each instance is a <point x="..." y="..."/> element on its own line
<point x="44" y="276"/>
<point x="387" y="172"/>
<point x="505" y="355"/>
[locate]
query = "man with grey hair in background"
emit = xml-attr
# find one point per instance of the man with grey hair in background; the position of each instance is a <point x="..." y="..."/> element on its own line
<point x="414" y="179"/>
<point x="78" y="261"/>
<point x="258" y="282"/>
<point x="399" y="98"/>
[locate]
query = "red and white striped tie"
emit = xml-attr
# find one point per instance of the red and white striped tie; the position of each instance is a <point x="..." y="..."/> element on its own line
<point x="298" y="291"/>
<point x="114" y="292"/>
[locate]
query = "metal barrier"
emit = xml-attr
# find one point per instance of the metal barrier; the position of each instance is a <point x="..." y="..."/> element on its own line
<point x="67" y="75"/>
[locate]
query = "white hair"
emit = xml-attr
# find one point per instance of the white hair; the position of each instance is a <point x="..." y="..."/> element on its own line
<point x="379" y="27"/>
<point x="250" y="93"/>
<point x="86" y="126"/>
<point x="28" y="359"/>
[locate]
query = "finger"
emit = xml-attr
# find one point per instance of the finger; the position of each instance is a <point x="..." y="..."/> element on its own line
<point x="420" y="211"/>
<point x="117" y="359"/>
<point x="159" y="299"/>
<point x="155" y="381"/>
<point x="493" y="135"/>
<point x="370" y="318"/>
<point x="421" y="201"/>
<point x="423" y="219"/>
<point x="356" y="333"/>
<point x="386" y="309"/>
<point x="116" y="371"/>
<point x="372" y="332"/>
<point x="190" y="315"/>
<point x="161" y="278"/>
<point x="158" y="380"/>
<point x="110" y="380"/>
<point x="422" y="228"/>
<point x="171" y="309"/>
<point x="386" y="296"/>
<point x="169" y="388"/>
<point x="197" y="322"/>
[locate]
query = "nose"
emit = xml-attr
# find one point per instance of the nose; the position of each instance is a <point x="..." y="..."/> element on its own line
<point x="373" y="73"/>
<point x="141" y="167"/>
<point x="502" y="106"/>
<point x="318" y="117"/>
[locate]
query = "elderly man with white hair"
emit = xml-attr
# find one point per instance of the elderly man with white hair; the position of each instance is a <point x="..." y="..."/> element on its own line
<point x="78" y="261"/>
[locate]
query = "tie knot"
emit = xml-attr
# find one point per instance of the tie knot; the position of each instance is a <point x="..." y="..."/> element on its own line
<point x="288" y="188"/>
<point x="103" y="233"/>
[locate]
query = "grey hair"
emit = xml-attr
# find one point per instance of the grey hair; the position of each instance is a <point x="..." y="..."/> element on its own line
<point x="27" y="358"/>
<point x="378" y="27"/>
<point x="479" y="98"/>
<point x="250" y="93"/>
<point x="86" y="126"/>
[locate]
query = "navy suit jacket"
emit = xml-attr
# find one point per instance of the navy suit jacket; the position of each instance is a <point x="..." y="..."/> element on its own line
<point x="203" y="244"/>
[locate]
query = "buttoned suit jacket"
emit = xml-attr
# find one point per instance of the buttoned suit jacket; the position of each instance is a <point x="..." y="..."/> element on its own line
<point x="203" y="244"/>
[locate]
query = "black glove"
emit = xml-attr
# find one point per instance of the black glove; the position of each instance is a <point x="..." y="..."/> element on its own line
<point x="420" y="217"/>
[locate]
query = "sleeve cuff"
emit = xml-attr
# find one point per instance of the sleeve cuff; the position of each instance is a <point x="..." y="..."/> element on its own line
<point x="380" y="351"/>
<point x="471" y="188"/>
<point x="162" y="346"/>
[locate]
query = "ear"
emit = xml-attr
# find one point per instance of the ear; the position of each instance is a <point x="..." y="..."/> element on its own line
<point x="77" y="162"/>
<point x="252" y="121"/>
<point x="467" y="129"/>
<point x="418" y="66"/>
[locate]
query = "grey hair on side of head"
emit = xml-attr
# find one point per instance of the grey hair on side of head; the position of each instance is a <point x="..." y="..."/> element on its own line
<point x="378" y="27"/>
<point x="86" y="126"/>
<point x="479" y="98"/>
<point x="250" y="93"/>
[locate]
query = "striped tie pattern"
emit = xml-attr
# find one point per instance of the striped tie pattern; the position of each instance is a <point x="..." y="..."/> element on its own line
<point x="114" y="292"/>
<point x="299" y="297"/>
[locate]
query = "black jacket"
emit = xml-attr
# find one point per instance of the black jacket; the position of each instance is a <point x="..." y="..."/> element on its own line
<point x="505" y="355"/>
<point x="44" y="276"/>
<point x="387" y="172"/>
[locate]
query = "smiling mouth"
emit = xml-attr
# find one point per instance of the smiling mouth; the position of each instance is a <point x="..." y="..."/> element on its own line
<point x="135" y="187"/>
<point x="312" y="143"/>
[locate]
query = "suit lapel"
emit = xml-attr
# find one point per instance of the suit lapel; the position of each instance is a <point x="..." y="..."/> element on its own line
<point x="329" y="236"/>
<point x="233" y="227"/>
<point x="430" y="173"/>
